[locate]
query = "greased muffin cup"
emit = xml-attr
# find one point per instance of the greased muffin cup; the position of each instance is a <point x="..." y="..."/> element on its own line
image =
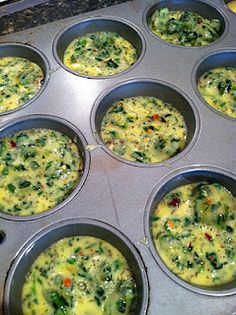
<point x="32" y="54"/>
<point x="116" y="197"/>
<point x="68" y="228"/>
<point x="98" y="24"/>
<point x="203" y="9"/>
<point x="178" y="178"/>
<point x="65" y="128"/>
<point x="147" y="87"/>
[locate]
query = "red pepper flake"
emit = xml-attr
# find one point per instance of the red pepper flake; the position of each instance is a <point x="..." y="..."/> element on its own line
<point x="155" y="117"/>
<point x="175" y="202"/>
<point x="208" y="236"/>
<point x="67" y="282"/>
<point x="13" y="144"/>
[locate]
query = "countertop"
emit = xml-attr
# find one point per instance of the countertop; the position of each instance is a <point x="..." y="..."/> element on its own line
<point x="48" y="12"/>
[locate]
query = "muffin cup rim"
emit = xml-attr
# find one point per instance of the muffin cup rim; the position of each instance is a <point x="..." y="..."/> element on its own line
<point x="147" y="227"/>
<point x="194" y="79"/>
<point x="124" y="21"/>
<point x="219" y="10"/>
<point x="32" y="241"/>
<point x="86" y="160"/>
<point x="46" y="73"/>
<point x="120" y="84"/>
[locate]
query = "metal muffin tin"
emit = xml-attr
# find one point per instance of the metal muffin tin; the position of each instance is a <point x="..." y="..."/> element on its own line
<point x="115" y="193"/>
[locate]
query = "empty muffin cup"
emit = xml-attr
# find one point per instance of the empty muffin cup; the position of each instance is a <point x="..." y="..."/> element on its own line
<point x="73" y="230"/>
<point x="44" y="164"/>
<point x="195" y="224"/>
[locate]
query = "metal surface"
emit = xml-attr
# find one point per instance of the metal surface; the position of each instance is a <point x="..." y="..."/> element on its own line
<point x="117" y="192"/>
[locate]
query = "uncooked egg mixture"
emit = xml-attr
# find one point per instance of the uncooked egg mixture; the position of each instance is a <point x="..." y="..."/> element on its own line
<point x="38" y="169"/>
<point x="218" y="87"/>
<point x="184" y="28"/>
<point x="144" y="129"/>
<point x="194" y="232"/>
<point x="20" y="80"/>
<point x="79" y="276"/>
<point x="100" y="54"/>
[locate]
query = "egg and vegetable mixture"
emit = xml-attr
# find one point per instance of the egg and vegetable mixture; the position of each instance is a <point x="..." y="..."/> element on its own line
<point x="194" y="232"/>
<point x="100" y="54"/>
<point x="38" y="169"/>
<point x="232" y="6"/>
<point x="79" y="276"/>
<point x="218" y="87"/>
<point x="184" y="28"/>
<point x="20" y="80"/>
<point x="144" y="129"/>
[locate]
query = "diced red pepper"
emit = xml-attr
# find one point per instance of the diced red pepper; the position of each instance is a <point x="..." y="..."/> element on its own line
<point x="175" y="202"/>
<point x="155" y="117"/>
<point x="208" y="236"/>
<point x="67" y="282"/>
<point x="13" y="144"/>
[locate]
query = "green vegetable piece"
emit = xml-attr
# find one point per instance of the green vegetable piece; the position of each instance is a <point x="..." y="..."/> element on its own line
<point x="72" y="260"/>
<point x="34" y="165"/>
<point x="139" y="156"/>
<point x="24" y="183"/>
<point x="118" y="109"/>
<point x="159" y="144"/>
<point x="57" y="301"/>
<point x="11" y="188"/>
<point x="22" y="137"/>
<point x="114" y="134"/>
<point x="212" y="257"/>
<point x="2" y="147"/>
<point x="112" y="64"/>
<point x="121" y="305"/>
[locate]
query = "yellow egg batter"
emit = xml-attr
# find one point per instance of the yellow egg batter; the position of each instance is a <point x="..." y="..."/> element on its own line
<point x="100" y="54"/>
<point x="194" y="232"/>
<point x="218" y="87"/>
<point x="232" y="6"/>
<point x="144" y="129"/>
<point x="38" y="169"/>
<point x="20" y="80"/>
<point x="184" y="28"/>
<point x="79" y="276"/>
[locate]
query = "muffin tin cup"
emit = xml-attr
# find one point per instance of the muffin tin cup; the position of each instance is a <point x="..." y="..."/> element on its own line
<point x="54" y="123"/>
<point x="32" y="54"/>
<point x="147" y="87"/>
<point x="98" y="24"/>
<point x="216" y="59"/>
<point x="68" y="228"/>
<point x="204" y="9"/>
<point x="184" y="176"/>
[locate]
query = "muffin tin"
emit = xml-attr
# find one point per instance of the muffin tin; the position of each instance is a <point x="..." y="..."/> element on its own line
<point x="115" y="198"/>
